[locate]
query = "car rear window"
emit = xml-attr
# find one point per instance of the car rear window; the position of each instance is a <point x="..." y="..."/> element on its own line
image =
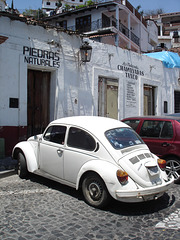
<point x="123" y="137"/>
<point x="157" y="129"/>
<point x="79" y="138"/>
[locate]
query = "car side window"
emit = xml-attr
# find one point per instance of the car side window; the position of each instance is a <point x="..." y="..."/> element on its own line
<point x="78" y="138"/>
<point x="55" y="134"/>
<point x="151" y="128"/>
<point x="167" y="131"/>
<point x="132" y="123"/>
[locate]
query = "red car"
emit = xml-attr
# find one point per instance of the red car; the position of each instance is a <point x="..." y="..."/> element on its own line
<point x="162" y="135"/>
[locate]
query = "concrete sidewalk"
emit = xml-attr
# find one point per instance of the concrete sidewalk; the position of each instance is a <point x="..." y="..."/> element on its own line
<point x="7" y="166"/>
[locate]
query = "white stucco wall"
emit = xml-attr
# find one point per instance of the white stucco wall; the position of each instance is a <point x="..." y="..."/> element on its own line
<point x="74" y="86"/>
<point x="71" y="20"/>
<point x="2" y="5"/>
<point x="153" y="73"/>
<point x="51" y="6"/>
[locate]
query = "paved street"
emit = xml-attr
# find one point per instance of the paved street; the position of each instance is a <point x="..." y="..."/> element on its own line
<point x="41" y="209"/>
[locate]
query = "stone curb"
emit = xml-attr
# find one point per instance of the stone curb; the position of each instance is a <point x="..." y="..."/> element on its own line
<point x="7" y="167"/>
<point x="7" y="173"/>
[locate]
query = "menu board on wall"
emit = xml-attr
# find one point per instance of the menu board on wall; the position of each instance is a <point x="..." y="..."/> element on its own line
<point x="131" y="95"/>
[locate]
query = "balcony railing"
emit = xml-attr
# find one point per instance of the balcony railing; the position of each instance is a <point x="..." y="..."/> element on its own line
<point x="95" y="25"/>
<point x="135" y="39"/>
<point x="123" y="29"/>
<point x="103" y="24"/>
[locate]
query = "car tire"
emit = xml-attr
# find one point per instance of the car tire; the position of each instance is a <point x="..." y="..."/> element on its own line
<point x="22" y="166"/>
<point x="173" y="168"/>
<point x="95" y="191"/>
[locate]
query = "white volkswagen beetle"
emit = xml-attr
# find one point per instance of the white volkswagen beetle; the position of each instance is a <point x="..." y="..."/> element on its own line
<point x="102" y="156"/>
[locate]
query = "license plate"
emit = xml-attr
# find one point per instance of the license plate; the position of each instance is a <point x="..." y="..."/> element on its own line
<point x="153" y="170"/>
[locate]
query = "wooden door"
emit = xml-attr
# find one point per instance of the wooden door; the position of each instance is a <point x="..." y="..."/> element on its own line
<point x="108" y="98"/>
<point x="112" y="100"/>
<point x="38" y="101"/>
<point x="149" y="100"/>
<point x="177" y="102"/>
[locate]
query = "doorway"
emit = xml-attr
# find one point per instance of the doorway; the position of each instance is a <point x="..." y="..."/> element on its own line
<point x="177" y="102"/>
<point x="108" y="98"/>
<point x="38" y="101"/>
<point x="149" y="100"/>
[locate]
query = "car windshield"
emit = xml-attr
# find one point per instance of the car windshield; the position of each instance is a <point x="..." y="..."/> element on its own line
<point x="123" y="137"/>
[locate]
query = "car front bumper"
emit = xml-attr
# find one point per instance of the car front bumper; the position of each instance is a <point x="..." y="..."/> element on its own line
<point x="144" y="194"/>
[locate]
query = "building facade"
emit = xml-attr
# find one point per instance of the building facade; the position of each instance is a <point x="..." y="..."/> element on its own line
<point x="2" y="5"/>
<point x="168" y="29"/>
<point x="112" y="22"/>
<point x="51" y="6"/>
<point x="43" y="78"/>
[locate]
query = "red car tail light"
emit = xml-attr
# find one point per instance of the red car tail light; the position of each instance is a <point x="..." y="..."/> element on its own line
<point x="122" y="176"/>
<point x="162" y="164"/>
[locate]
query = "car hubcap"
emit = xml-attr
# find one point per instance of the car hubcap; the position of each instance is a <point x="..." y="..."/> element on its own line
<point x="95" y="191"/>
<point x="173" y="168"/>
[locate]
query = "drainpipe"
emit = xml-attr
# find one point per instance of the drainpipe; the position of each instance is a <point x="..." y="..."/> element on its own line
<point x="129" y="27"/>
<point x="117" y="19"/>
<point x="19" y="97"/>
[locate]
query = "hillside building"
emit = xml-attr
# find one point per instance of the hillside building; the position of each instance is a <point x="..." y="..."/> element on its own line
<point x="116" y="23"/>
<point x="168" y="30"/>
<point x="2" y="5"/>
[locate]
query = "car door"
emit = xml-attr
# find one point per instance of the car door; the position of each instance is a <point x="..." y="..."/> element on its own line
<point x="51" y="151"/>
<point x="158" y="135"/>
<point x="80" y="149"/>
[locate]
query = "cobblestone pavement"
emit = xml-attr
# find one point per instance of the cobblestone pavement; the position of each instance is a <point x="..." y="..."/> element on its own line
<point x="37" y="208"/>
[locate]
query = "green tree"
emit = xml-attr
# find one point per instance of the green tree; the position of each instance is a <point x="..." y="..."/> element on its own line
<point x="89" y="3"/>
<point x="80" y="6"/>
<point x="36" y="14"/>
<point x="59" y="4"/>
<point x="39" y="14"/>
<point x="138" y="8"/>
<point x="67" y="7"/>
<point x="12" y="5"/>
<point x="154" y="12"/>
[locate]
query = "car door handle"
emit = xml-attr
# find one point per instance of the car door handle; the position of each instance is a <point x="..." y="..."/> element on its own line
<point x="165" y="144"/>
<point x="60" y="152"/>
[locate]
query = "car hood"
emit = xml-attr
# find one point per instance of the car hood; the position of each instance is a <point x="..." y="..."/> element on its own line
<point x="142" y="167"/>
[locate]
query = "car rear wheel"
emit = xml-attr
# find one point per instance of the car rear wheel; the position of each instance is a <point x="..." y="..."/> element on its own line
<point x="22" y="166"/>
<point x="95" y="191"/>
<point x="173" y="168"/>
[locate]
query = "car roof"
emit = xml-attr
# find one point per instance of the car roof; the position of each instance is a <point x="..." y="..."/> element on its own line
<point x="154" y="117"/>
<point x="96" y="123"/>
<point x="174" y="114"/>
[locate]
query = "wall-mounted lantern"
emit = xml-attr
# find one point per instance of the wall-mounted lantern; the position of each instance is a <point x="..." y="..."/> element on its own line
<point x="85" y="51"/>
<point x="54" y="43"/>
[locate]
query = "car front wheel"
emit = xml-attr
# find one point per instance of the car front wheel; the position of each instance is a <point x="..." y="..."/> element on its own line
<point x="173" y="168"/>
<point x="22" y="166"/>
<point x="95" y="191"/>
